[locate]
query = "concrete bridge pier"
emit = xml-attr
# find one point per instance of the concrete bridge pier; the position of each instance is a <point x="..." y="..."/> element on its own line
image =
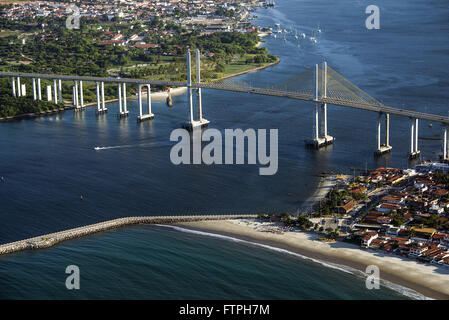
<point x="49" y="93"/>
<point x="120" y="101"/>
<point x="445" y="145"/>
<point x="60" y="90"/>
<point x="19" y="87"/>
<point x="98" y="98"/>
<point x="414" y="151"/>
<point x="55" y="91"/>
<point x="200" y="122"/>
<point x="13" y="86"/>
<point x="143" y="117"/>
<point x="119" y="94"/>
<point x="23" y="90"/>
<point x="33" y="84"/>
<point x="321" y="138"/>
<point x="327" y="138"/>
<point x="149" y="100"/>
<point x="81" y="95"/>
<point x="39" y="89"/>
<point x="203" y="122"/>
<point x="317" y="124"/>
<point x="75" y="96"/>
<point x="383" y="148"/>
<point x="125" y="108"/>
<point x="103" y="106"/>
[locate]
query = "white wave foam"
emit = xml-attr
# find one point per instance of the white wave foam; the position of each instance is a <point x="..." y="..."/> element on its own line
<point x="400" y="289"/>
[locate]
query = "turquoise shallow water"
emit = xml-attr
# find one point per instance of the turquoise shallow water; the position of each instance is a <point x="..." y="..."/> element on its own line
<point x="49" y="162"/>
<point x="151" y="262"/>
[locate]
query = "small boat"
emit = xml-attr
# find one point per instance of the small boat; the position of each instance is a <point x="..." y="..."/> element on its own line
<point x="278" y="27"/>
<point x="97" y="148"/>
<point x="430" y="125"/>
<point x="303" y="35"/>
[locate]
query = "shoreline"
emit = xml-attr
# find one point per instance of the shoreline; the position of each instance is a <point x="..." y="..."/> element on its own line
<point x="35" y="114"/>
<point x="248" y="71"/>
<point x="323" y="187"/>
<point x="428" y="280"/>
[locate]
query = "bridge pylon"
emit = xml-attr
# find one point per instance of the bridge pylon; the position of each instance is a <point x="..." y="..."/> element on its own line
<point x="445" y="155"/>
<point x="101" y="108"/>
<point x="78" y="101"/>
<point x="55" y="91"/>
<point x="123" y="111"/>
<point x="321" y="137"/>
<point x="39" y="89"/>
<point x="383" y="148"/>
<point x="60" y="90"/>
<point x="19" y="87"/>
<point x="143" y="117"/>
<point x="414" y="151"/>
<point x="199" y="122"/>
<point x="33" y="85"/>
<point x="13" y="86"/>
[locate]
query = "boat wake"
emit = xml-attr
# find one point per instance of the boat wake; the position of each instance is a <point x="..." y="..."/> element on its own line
<point x="400" y="289"/>
<point x="112" y="147"/>
<point x="153" y="144"/>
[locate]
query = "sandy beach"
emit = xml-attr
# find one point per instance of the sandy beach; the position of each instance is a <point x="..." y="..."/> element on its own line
<point x="162" y="95"/>
<point x="429" y="280"/>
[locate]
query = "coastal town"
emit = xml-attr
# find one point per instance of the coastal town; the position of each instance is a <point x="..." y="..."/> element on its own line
<point x="181" y="11"/>
<point x="141" y="20"/>
<point x="397" y="211"/>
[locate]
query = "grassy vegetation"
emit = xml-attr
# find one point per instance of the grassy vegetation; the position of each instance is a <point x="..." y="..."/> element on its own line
<point x="59" y="50"/>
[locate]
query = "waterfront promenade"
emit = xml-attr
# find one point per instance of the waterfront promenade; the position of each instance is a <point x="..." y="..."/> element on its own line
<point x="51" y="239"/>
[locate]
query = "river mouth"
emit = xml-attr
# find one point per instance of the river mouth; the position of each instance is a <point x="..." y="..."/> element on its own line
<point x="48" y="162"/>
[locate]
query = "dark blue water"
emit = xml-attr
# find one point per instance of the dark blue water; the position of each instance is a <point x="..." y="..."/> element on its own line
<point x="168" y="264"/>
<point x="49" y="162"/>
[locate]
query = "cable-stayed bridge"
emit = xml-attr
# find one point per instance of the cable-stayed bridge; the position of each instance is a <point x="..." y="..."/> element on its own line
<point x="321" y="85"/>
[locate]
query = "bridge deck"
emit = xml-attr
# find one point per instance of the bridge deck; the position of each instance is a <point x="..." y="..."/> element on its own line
<point x="253" y="90"/>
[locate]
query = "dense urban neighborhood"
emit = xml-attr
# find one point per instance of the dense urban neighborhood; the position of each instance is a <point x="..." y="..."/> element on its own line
<point x="412" y="216"/>
<point x="405" y="212"/>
